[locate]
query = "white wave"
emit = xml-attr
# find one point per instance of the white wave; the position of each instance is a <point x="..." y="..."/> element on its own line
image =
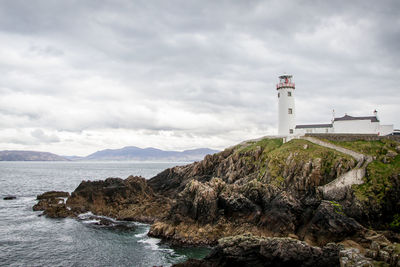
<point x="141" y="224"/>
<point x="85" y="215"/>
<point x="151" y="243"/>
<point x="107" y="218"/>
<point x="91" y="221"/>
<point x="141" y="234"/>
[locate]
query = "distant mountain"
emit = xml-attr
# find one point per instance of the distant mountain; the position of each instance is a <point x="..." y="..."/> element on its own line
<point x="73" y="157"/>
<point x="149" y="154"/>
<point x="20" y="155"/>
<point x="126" y="153"/>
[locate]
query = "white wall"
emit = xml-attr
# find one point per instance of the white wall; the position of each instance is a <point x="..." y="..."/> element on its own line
<point x="386" y="129"/>
<point x="362" y="127"/>
<point x="352" y="127"/>
<point x="356" y="126"/>
<point x="286" y="121"/>
<point x="303" y="131"/>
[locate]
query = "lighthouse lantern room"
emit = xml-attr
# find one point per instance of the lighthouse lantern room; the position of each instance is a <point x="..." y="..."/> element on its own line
<point x="287" y="114"/>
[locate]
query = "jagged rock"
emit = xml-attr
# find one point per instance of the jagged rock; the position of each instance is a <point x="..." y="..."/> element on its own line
<point x="45" y="203"/>
<point x="261" y="187"/>
<point x="248" y="250"/>
<point x="281" y="214"/>
<point x="198" y="201"/>
<point x="383" y="251"/>
<point x="53" y="194"/>
<point x="129" y="199"/>
<point x="353" y="258"/>
<point x="391" y="236"/>
<point x="234" y="204"/>
<point x="58" y="211"/>
<point x="53" y="205"/>
<point x="330" y="223"/>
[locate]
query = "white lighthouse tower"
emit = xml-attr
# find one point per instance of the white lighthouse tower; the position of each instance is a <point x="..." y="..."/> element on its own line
<point x="287" y="111"/>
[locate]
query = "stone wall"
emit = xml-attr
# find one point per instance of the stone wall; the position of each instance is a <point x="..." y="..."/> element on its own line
<point x="353" y="137"/>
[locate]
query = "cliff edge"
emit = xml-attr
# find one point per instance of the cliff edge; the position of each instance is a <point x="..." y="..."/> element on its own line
<point x="267" y="189"/>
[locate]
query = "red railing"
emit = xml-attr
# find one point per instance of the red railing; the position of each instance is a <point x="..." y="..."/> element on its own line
<point x="280" y="85"/>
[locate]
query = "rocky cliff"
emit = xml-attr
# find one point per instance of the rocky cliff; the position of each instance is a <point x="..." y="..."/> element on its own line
<point x="264" y="188"/>
<point x="130" y="199"/>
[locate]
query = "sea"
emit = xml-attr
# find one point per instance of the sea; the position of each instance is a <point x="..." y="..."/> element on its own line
<point x="27" y="239"/>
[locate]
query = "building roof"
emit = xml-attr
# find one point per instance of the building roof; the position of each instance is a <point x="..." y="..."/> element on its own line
<point x="351" y="118"/>
<point x="313" y="126"/>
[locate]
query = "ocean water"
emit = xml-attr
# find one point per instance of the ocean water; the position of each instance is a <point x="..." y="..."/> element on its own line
<point x="29" y="240"/>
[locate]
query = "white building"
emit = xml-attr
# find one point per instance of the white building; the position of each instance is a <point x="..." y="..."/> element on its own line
<point x="349" y="124"/>
<point x="343" y="125"/>
<point x="287" y="111"/>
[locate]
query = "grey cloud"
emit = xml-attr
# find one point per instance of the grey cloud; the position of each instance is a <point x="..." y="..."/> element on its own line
<point x="98" y="65"/>
<point x="42" y="137"/>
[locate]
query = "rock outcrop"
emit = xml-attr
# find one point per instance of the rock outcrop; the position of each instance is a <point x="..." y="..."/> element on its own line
<point x="129" y="199"/>
<point x="243" y="189"/>
<point x="264" y="188"/>
<point x="247" y="250"/>
<point x="52" y="204"/>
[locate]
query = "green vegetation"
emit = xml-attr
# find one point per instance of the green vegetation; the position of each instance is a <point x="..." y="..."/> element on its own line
<point x="379" y="189"/>
<point x="395" y="225"/>
<point x="274" y="157"/>
<point x="302" y="151"/>
<point x="380" y="172"/>
<point x="378" y="182"/>
<point x="380" y="264"/>
<point x="372" y="148"/>
<point x="266" y="145"/>
<point x="386" y="165"/>
<point x="276" y="164"/>
<point x="396" y="248"/>
<point x="337" y="207"/>
<point x="247" y="150"/>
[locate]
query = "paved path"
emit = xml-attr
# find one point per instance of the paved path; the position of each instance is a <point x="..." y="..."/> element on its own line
<point x="337" y="189"/>
<point x="358" y="156"/>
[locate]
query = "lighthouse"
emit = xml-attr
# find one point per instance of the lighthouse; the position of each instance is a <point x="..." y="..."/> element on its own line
<point x="287" y="111"/>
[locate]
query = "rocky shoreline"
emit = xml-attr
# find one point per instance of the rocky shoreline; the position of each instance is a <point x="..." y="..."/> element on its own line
<point x="258" y="201"/>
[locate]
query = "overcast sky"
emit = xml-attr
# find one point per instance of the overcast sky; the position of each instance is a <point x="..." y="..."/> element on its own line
<point x="79" y="76"/>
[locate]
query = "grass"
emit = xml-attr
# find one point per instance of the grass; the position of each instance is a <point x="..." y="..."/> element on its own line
<point x="272" y="156"/>
<point x="371" y="148"/>
<point x="378" y="180"/>
<point x="266" y="144"/>
<point x="272" y="162"/>
<point x="379" y="187"/>
<point x="304" y="151"/>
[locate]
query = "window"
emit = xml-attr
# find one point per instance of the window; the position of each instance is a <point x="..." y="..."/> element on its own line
<point x="290" y="131"/>
<point x="289" y="93"/>
<point x="290" y="111"/>
<point x="279" y="94"/>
